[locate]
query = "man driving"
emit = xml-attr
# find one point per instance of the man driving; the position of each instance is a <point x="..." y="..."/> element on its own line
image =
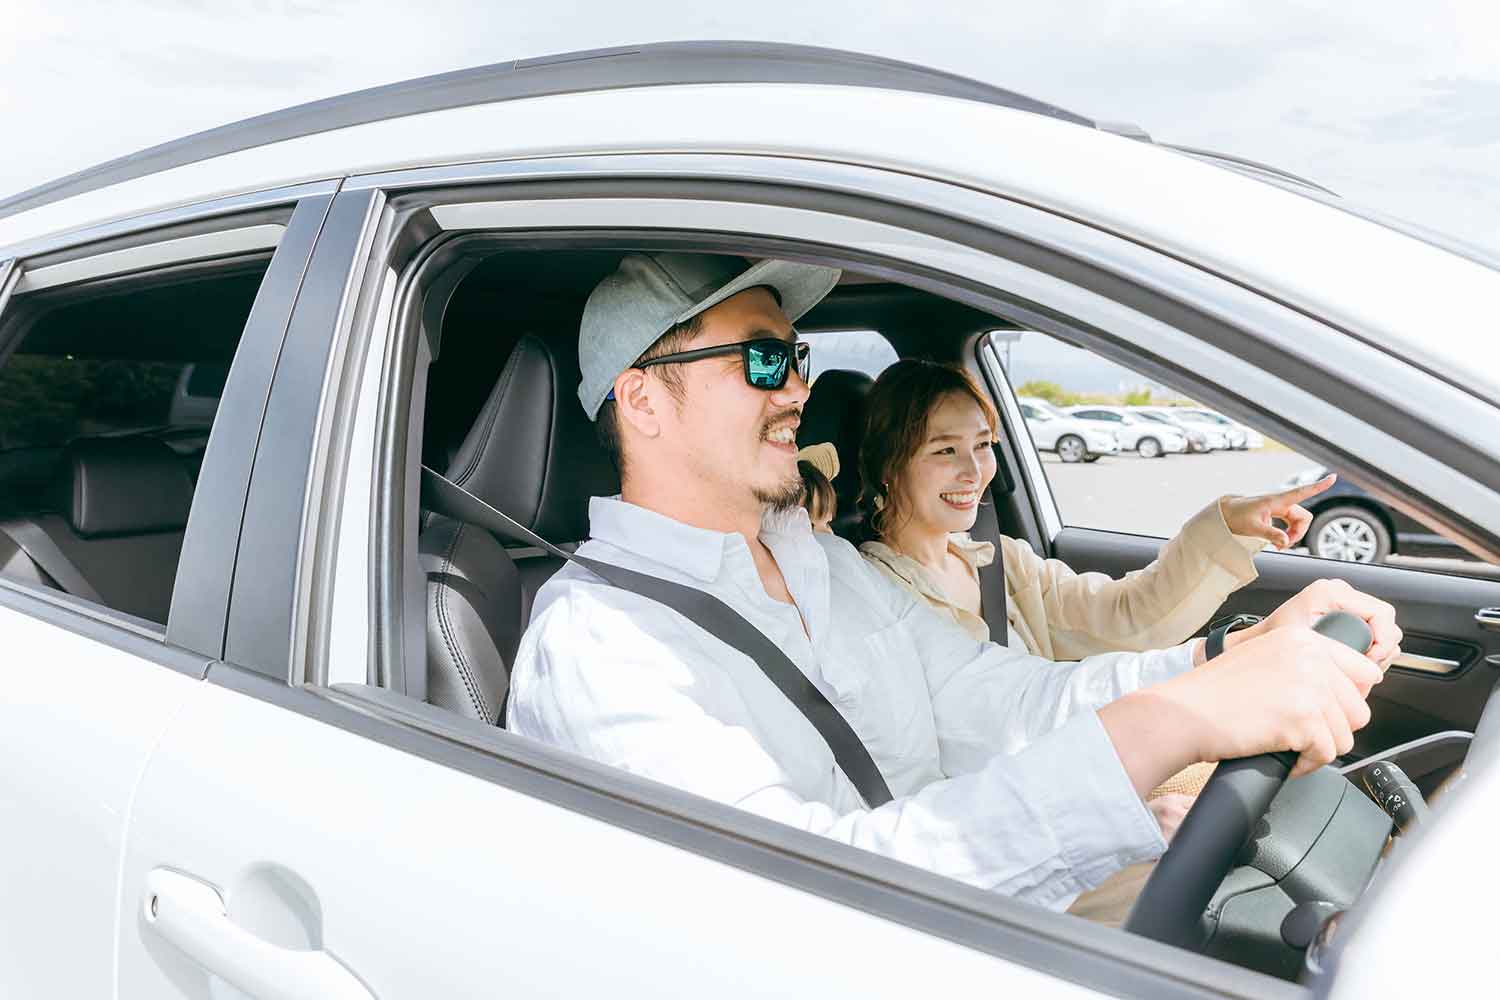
<point x="1007" y="771"/>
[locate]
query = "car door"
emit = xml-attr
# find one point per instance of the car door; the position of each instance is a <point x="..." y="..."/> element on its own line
<point x="106" y="601"/>
<point x="343" y="839"/>
<point x="1440" y="684"/>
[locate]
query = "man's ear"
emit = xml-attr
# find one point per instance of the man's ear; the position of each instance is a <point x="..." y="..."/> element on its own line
<point x="636" y="403"/>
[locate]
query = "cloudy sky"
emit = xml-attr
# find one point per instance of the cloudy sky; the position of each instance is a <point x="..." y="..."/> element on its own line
<point x="1388" y="102"/>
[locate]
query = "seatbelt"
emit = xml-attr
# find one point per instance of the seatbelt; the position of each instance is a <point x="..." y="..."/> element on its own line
<point x="443" y="496"/>
<point x="42" y="550"/>
<point x="992" y="598"/>
<point x="992" y="601"/>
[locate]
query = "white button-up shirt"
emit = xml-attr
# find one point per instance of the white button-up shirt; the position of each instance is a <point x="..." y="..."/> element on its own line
<point x="1002" y="773"/>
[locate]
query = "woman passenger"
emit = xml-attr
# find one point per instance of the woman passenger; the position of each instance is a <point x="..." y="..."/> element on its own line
<point x="925" y="464"/>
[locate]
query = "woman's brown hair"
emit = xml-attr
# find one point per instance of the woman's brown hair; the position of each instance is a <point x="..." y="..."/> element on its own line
<point x="896" y="414"/>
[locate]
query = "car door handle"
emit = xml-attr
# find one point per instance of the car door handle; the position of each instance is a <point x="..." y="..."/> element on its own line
<point x="1488" y="619"/>
<point x="190" y="914"/>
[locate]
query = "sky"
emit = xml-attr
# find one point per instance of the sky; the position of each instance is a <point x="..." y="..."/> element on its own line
<point x="1393" y="104"/>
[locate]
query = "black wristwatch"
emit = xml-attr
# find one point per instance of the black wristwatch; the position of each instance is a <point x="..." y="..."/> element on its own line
<point x="1219" y="629"/>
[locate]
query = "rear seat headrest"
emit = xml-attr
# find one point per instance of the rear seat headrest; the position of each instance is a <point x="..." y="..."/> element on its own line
<point x="533" y="453"/>
<point x="127" y="486"/>
<point x="835" y="411"/>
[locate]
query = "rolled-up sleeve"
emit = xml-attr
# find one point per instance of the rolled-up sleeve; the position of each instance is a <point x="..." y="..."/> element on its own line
<point x="1044" y="822"/>
<point x="1148" y="608"/>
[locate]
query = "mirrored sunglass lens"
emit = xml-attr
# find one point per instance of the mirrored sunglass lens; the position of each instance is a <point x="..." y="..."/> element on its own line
<point x="766" y="366"/>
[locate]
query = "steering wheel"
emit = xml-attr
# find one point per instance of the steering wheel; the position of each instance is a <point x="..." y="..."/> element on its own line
<point x="1236" y="797"/>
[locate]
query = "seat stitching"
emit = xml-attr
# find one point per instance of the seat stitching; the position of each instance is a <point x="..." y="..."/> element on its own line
<point x="492" y="416"/>
<point x="453" y="648"/>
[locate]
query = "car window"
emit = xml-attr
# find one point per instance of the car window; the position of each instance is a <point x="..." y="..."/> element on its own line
<point x="106" y="402"/>
<point x="1153" y="487"/>
<point x="865" y="351"/>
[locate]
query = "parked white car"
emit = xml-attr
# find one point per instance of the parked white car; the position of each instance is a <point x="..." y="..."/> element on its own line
<point x="1148" y="438"/>
<point x="1201" y="436"/>
<point x="1240" y="436"/>
<point x="1072" y="439"/>
<point x="249" y="709"/>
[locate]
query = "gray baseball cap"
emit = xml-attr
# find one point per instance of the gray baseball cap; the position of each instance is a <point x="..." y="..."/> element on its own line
<point x="651" y="293"/>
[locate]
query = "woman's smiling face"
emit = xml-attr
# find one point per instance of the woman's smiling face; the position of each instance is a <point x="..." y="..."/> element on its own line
<point x="941" y="485"/>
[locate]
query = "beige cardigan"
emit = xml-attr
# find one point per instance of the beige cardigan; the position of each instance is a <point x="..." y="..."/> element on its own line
<point x="1064" y="615"/>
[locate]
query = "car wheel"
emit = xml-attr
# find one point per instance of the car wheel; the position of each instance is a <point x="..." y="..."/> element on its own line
<point x="1349" y="534"/>
<point x="1070" y="448"/>
<point x="1148" y="448"/>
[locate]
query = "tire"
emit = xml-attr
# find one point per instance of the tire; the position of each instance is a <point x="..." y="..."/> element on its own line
<point x="1349" y="534"/>
<point x="1148" y="447"/>
<point x="1092" y="457"/>
<point x="1070" y="448"/>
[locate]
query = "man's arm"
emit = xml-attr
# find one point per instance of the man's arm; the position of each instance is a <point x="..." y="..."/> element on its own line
<point x="1042" y="824"/>
<point x="1278" y="686"/>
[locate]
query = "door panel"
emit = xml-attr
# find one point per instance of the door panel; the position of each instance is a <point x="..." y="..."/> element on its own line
<point x="1435" y="611"/>
<point x="421" y="880"/>
<point x="78" y="719"/>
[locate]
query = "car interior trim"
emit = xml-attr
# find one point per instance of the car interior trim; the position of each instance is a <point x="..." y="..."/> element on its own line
<point x="1426" y="664"/>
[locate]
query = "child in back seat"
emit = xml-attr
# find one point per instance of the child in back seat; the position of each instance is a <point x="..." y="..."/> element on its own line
<point x="819" y="465"/>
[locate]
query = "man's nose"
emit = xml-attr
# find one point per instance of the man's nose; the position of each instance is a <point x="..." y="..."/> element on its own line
<point x="794" y="392"/>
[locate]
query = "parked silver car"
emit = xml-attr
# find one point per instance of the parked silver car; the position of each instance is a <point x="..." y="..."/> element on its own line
<point x="1201" y="436"/>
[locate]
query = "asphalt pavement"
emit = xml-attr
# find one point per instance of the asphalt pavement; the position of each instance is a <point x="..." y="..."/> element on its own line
<point x="1155" y="496"/>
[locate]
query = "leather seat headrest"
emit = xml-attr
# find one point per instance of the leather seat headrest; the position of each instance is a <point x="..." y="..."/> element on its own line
<point x="835" y="411"/>
<point x="127" y="486"/>
<point x="533" y="453"/>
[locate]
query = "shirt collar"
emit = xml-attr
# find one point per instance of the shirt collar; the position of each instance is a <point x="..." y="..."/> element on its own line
<point x="698" y="552"/>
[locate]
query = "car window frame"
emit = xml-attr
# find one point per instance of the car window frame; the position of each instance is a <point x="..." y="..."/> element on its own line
<point x="374" y="202"/>
<point x="145" y="246"/>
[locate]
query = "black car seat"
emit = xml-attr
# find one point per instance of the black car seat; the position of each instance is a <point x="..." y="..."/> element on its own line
<point x="122" y="509"/>
<point x="533" y="454"/>
<point x="835" y="411"/>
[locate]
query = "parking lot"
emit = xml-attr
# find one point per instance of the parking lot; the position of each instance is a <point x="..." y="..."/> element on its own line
<point x="1155" y="496"/>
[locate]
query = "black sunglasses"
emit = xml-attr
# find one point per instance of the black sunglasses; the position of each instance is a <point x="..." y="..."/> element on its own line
<point x="768" y="361"/>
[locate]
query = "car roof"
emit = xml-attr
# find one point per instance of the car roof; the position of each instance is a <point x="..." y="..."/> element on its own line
<point x="1354" y="274"/>
<point x="660" y="64"/>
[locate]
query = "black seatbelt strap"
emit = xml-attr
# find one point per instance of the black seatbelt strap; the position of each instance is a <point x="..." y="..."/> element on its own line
<point x="445" y="497"/>
<point x="992" y="602"/>
<point x="42" y="550"/>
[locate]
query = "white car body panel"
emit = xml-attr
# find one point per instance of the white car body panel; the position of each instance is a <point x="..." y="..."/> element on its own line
<point x="1356" y="272"/>
<point x="98" y="711"/>
<point x="295" y="822"/>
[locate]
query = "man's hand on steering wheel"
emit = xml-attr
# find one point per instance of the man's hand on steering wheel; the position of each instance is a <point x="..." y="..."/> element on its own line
<point x="1323" y="596"/>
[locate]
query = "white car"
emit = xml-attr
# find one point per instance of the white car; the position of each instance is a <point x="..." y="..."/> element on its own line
<point x="1148" y="438"/>
<point x="1240" y="436"/>
<point x="1201" y="436"/>
<point x="1073" y="440"/>
<point x="251" y="676"/>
